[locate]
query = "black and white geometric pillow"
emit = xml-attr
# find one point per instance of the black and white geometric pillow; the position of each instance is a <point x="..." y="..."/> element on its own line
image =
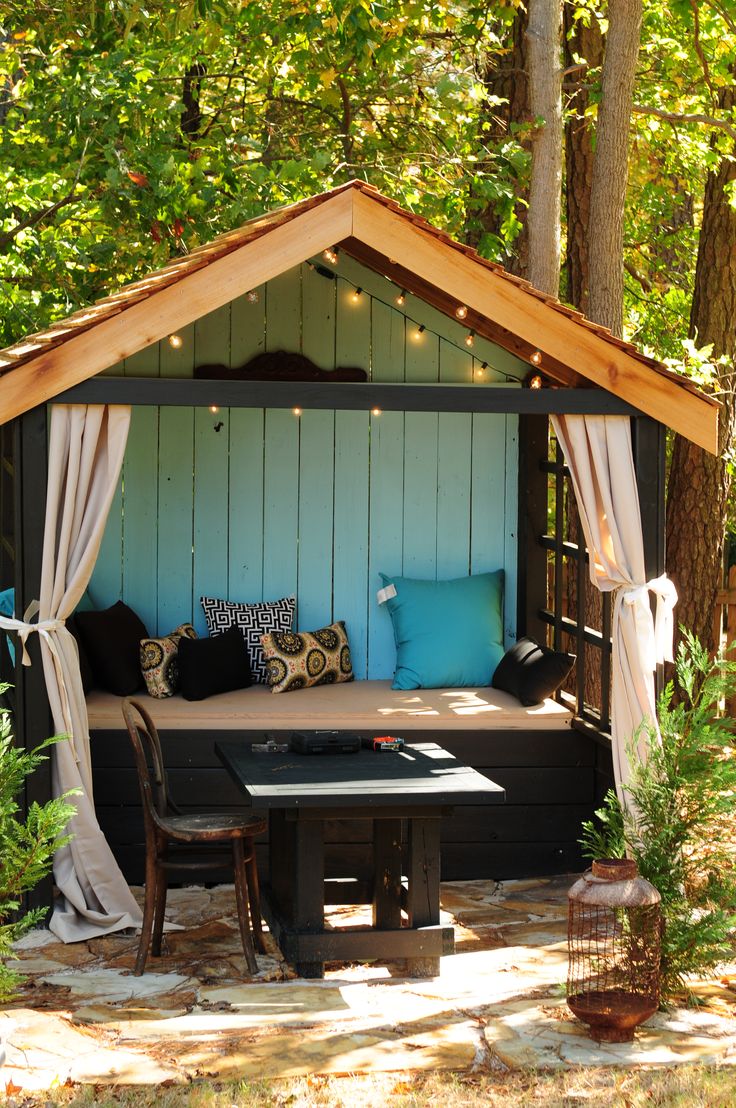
<point x="253" y="620"/>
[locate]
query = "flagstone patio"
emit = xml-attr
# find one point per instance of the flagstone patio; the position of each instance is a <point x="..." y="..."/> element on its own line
<point x="498" y="1002"/>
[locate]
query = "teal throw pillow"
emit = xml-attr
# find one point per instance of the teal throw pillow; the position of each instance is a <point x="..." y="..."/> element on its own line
<point x="449" y="634"/>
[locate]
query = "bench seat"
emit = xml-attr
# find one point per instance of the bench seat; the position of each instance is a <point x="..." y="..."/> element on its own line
<point x="353" y="705"/>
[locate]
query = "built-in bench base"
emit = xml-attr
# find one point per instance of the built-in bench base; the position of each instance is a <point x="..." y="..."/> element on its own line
<point x="554" y="774"/>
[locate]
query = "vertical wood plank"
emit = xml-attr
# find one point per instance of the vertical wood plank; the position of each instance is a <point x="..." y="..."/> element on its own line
<point x="531" y="589"/>
<point x="387" y="343"/>
<point x="245" y="547"/>
<point x="144" y="363"/>
<point x="386" y="546"/>
<point x="140" y="516"/>
<point x="247" y="327"/>
<point x="106" y="583"/>
<point x="318" y="318"/>
<point x="280" y="504"/>
<point x="488" y="482"/>
<point x="350" y="578"/>
<point x="316" y="476"/>
<point x="284" y="311"/>
<point x="453" y="494"/>
<point x="420" y="495"/>
<point x="353" y="328"/>
<point x="511" y="528"/>
<point x="210" y="509"/>
<point x="175" y="479"/>
<point x="453" y="471"/>
<point x="422" y="355"/>
<point x="178" y="361"/>
<point x="212" y="338"/>
<point x="210" y="494"/>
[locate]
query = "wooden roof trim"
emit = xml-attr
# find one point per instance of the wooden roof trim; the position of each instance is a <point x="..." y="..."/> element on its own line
<point x="529" y="317"/>
<point x="154" y="317"/>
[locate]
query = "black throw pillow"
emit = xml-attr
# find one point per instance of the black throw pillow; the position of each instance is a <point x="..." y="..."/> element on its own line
<point x="112" y="640"/>
<point x="531" y="672"/>
<point x="215" y="665"/>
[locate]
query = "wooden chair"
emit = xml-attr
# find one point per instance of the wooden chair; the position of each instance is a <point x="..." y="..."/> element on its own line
<point x="165" y="826"/>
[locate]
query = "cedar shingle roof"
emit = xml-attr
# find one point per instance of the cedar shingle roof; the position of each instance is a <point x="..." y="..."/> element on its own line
<point x="179" y="268"/>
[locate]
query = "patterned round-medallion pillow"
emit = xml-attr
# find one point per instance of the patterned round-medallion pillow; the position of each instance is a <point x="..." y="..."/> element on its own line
<point x="159" y="661"/>
<point x="298" y="660"/>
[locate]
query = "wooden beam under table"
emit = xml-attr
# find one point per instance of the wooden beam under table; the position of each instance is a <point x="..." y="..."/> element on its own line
<point x="343" y="396"/>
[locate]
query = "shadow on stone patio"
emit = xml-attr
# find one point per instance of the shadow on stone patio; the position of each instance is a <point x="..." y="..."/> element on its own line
<point x="498" y="1002"/>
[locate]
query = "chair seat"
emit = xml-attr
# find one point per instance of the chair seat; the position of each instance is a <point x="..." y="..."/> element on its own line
<point x="212" y="826"/>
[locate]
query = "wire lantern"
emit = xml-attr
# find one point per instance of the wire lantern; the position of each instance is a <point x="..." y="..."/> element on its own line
<point x="614" y="928"/>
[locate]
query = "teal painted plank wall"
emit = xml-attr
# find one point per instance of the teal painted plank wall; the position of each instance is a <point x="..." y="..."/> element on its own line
<point x="251" y="504"/>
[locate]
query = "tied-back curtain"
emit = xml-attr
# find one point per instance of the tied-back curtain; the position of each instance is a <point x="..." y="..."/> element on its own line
<point x="86" y="449"/>
<point x="598" y="453"/>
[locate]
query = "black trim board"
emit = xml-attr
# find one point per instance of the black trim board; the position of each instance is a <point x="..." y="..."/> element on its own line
<point x="343" y="396"/>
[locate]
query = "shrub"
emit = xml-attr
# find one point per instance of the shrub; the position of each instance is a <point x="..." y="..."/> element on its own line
<point x="683" y="838"/>
<point x="26" y="846"/>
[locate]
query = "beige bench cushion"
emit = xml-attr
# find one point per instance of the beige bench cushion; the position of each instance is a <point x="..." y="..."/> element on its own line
<point x="359" y="705"/>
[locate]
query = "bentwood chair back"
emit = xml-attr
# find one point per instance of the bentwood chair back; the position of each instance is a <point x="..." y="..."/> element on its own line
<point x="166" y="827"/>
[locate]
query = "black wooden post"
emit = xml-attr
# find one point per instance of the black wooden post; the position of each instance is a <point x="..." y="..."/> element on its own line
<point x="33" y="718"/>
<point x="648" y="440"/>
<point x="532" y="557"/>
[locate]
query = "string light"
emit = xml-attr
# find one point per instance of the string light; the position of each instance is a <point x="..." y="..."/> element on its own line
<point x="536" y="382"/>
<point x="297" y="411"/>
<point x="375" y="411"/>
<point x="253" y="296"/>
<point x="481" y="369"/>
<point x="536" y="357"/>
<point x="357" y="295"/>
<point x="176" y="341"/>
<point x="401" y="298"/>
<point x="330" y="254"/>
<point x="470" y="338"/>
<point x="214" y="409"/>
<point x="461" y="311"/>
<point x="418" y="333"/>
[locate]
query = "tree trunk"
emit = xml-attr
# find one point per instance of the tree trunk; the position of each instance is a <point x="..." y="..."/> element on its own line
<point x="610" y="170"/>
<point x="545" y="102"/>
<point x="586" y="42"/>
<point x="699" y="484"/>
<point x="504" y="78"/>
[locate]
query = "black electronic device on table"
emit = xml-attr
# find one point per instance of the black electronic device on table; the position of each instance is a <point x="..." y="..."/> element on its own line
<point x="324" y="742"/>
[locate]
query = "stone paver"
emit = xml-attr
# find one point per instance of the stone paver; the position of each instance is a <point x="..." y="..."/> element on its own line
<point x="83" y="1017"/>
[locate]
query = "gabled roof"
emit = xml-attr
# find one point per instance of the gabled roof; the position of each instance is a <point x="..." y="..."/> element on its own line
<point x="389" y="239"/>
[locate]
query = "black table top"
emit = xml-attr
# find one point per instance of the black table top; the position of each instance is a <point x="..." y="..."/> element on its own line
<point x="421" y="774"/>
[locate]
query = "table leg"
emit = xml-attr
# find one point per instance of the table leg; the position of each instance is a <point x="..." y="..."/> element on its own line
<point x="386" y="874"/>
<point x="423" y="899"/>
<point x="308" y="913"/>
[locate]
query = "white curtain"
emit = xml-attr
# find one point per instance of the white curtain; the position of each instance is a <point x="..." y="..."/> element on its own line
<point x="598" y="453"/>
<point x="86" y="448"/>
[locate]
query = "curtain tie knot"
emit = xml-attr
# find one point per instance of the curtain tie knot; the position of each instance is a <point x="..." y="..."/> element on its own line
<point x="24" y="627"/>
<point x="656" y="636"/>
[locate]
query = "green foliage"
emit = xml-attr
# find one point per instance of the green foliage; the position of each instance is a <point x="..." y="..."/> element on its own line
<point x="26" y="846"/>
<point x="154" y="128"/>
<point x="683" y="839"/>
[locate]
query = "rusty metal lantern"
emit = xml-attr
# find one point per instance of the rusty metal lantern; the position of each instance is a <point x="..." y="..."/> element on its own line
<point x="613" y="938"/>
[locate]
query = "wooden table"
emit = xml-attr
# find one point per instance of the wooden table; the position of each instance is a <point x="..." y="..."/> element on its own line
<point x="420" y="785"/>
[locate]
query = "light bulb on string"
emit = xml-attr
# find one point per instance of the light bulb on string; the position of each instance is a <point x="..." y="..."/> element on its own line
<point x="357" y="295"/>
<point x="418" y="333"/>
<point x="297" y="411"/>
<point x="401" y="298"/>
<point x="461" y="311"/>
<point x="330" y="255"/>
<point x="375" y="411"/>
<point x="536" y="357"/>
<point x="535" y="382"/>
<point x="214" y="409"/>
<point x="252" y="295"/>
<point x="176" y="341"/>
<point x="470" y="338"/>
